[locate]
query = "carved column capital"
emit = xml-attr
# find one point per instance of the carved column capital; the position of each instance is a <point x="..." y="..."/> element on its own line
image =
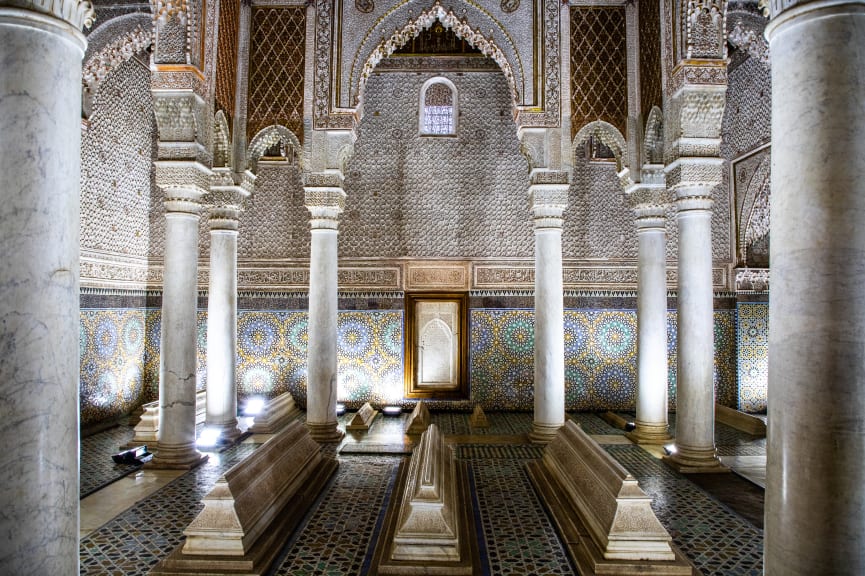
<point x="548" y="196"/>
<point x="693" y="198"/>
<point x="324" y="197"/>
<point x="649" y="200"/>
<point x="184" y="183"/>
<point x="225" y="200"/>
<point x="78" y="13"/>
<point x="182" y="201"/>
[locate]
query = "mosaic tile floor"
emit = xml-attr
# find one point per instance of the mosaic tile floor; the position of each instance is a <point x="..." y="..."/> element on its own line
<point x="517" y="537"/>
<point x="97" y="467"/>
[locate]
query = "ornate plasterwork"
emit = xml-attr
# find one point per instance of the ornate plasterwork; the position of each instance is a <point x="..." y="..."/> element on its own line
<point x="758" y="219"/>
<point x="550" y="116"/>
<point x="324" y="200"/>
<point x="608" y="135"/>
<point x="290" y="147"/>
<point x="546" y="115"/>
<point x="576" y="276"/>
<point x="221" y="140"/>
<point x="460" y="27"/>
<point x="176" y="116"/>
<point x="705" y="25"/>
<point x="653" y="142"/>
<point x="100" y="63"/>
<point x="79" y="13"/>
<point x="165" y="10"/>
<point x="437" y="276"/>
<point x="752" y="279"/>
<point x="753" y="43"/>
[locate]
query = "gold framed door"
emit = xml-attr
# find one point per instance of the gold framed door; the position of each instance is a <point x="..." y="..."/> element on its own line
<point x="436" y="346"/>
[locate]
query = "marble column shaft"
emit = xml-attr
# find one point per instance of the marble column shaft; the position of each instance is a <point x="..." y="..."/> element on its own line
<point x="695" y="399"/>
<point x="815" y="492"/>
<point x="179" y="332"/>
<point x="325" y="203"/>
<point x="40" y="141"/>
<point x="652" y="403"/>
<point x="548" y="205"/>
<point x="222" y="323"/>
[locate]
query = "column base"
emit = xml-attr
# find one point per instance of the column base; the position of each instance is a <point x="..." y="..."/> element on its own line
<point x="543" y="433"/>
<point x="184" y="457"/>
<point x="228" y="431"/>
<point x="695" y="461"/>
<point x="326" y="433"/>
<point x="650" y="433"/>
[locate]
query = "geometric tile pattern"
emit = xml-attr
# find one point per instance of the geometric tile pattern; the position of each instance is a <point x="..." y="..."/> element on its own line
<point x="111" y="352"/>
<point x="120" y="357"/>
<point x="96" y="466"/>
<point x="520" y="538"/>
<point x="714" y="538"/>
<point x="752" y="335"/>
<point x="600" y="358"/>
<point x="517" y="537"/>
<point x="340" y="533"/>
<point x="598" y="67"/>
<point x="138" y="538"/>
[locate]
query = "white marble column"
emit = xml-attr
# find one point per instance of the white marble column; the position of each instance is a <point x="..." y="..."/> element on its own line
<point x="177" y="358"/>
<point x="225" y="202"/>
<point x="695" y="399"/>
<point x="325" y="199"/>
<point x="815" y="492"/>
<point x="40" y="139"/>
<point x="548" y="202"/>
<point x="649" y="204"/>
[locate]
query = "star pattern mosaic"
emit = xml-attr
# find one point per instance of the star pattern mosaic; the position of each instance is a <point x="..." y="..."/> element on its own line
<point x="752" y="338"/>
<point x="112" y="356"/>
<point x="600" y="358"/>
<point x="120" y="358"/>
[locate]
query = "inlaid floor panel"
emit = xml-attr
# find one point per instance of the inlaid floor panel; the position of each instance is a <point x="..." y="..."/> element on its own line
<point x="517" y="536"/>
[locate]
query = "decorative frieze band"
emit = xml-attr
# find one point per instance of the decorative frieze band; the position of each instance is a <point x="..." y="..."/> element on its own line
<point x="498" y="277"/>
<point x="108" y="271"/>
<point x="434" y="276"/>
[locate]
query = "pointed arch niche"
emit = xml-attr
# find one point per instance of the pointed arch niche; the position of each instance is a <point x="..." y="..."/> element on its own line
<point x="436" y="346"/>
<point x="498" y="46"/>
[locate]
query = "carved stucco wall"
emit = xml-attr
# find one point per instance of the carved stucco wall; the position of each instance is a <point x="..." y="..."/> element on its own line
<point x="437" y="196"/>
<point x="275" y="223"/>
<point x="747" y="127"/>
<point x="116" y="164"/>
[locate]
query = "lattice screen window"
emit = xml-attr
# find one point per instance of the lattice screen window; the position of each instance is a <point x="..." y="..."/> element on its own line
<point x="599" y="70"/>
<point x="438" y="111"/>
<point x="276" y="68"/>
<point x="226" y="56"/>
<point x="650" y="56"/>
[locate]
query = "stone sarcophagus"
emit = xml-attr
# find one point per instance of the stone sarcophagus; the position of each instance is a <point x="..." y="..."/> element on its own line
<point x="429" y="526"/>
<point x="419" y="419"/>
<point x="605" y="519"/>
<point x="147" y="429"/>
<point x="277" y="413"/>
<point x="253" y="508"/>
<point x="363" y="419"/>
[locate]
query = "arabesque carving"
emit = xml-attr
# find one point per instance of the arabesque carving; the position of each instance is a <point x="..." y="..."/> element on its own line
<point x="449" y="19"/>
<point x="289" y="145"/>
